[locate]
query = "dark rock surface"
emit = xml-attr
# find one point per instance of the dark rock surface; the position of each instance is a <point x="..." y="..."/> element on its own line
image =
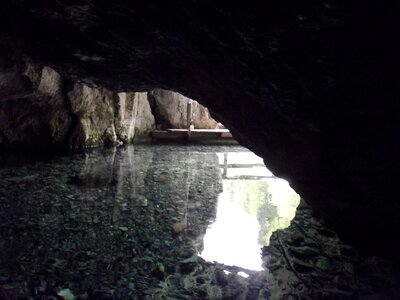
<point x="33" y="110"/>
<point x="311" y="86"/>
<point x="308" y="260"/>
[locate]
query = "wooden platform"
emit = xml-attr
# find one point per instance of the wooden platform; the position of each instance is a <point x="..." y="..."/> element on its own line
<point x="192" y="135"/>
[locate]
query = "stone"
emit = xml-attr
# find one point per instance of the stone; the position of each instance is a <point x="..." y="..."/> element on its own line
<point x="171" y="111"/>
<point x="145" y="123"/>
<point x="135" y="120"/>
<point x="50" y="82"/>
<point x="36" y="118"/>
<point x="66" y="294"/>
<point x="303" y="252"/>
<point x="94" y="111"/>
<point x="34" y="72"/>
<point x="179" y="227"/>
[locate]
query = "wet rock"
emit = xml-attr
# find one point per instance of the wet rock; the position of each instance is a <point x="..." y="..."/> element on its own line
<point x="159" y="271"/>
<point x="179" y="227"/>
<point x="315" y="275"/>
<point x="66" y="294"/>
<point x="324" y="264"/>
<point x="296" y="240"/>
<point x="188" y="265"/>
<point x="302" y="267"/>
<point x="303" y="252"/>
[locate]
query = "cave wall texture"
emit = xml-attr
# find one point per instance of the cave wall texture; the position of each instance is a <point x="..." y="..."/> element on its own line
<point x="44" y="112"/>
<point x="311" y="86"/>
<point x="41" y="111"/>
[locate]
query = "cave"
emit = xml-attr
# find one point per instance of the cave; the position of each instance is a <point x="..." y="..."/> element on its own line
<point x="309" y="86"/>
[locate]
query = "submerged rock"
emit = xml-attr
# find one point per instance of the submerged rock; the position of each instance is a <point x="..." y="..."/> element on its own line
<point x="179" y="227"/>
<point x="66" y="294"/>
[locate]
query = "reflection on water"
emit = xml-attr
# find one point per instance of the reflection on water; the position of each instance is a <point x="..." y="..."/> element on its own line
<point x="251" y="207"/>
<point x="120" y="221"/>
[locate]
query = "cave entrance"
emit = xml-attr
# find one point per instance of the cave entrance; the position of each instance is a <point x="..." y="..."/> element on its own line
<point x="179" y="118"/>
<point x="252" y="203"/>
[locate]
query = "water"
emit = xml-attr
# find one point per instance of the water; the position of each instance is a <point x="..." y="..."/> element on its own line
<point x="111" y="216"/>
<point x="171" y="222"/>
<point x="252" y="205"/>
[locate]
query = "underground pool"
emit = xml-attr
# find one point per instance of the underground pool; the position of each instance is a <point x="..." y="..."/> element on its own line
<point x="168" y="222"/>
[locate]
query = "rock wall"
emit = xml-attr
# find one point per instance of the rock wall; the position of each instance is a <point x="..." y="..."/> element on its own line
<point x="33" y="111"/>
<point x="105" y="117"/>
<point x="42" y="111"/>
<point x="170" y="109"/>
<point x="134" y="117"/>
<point x="95" y="116"/>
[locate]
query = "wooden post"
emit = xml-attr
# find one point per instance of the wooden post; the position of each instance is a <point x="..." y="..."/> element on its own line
<point x="190" y="123"/>
<point x="224" y="175"/>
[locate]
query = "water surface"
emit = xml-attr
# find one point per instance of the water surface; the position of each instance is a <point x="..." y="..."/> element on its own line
<point x="252" y="205"/>
<point x="120" y="221"/>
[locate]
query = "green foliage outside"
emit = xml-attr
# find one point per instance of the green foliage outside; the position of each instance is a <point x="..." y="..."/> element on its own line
<point x="273" y="211"/>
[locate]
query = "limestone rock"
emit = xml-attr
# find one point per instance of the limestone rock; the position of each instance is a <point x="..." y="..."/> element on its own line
<point x="33" y="114"/>
<point x="94" y="110"/>
<point x="34" y="72"/>
<point x="171" y="111"/>
<point x="42" y="110"/>
<point x="145" y="122"/>
<point x="50" y="82"/>
<point x="134" y="118"/>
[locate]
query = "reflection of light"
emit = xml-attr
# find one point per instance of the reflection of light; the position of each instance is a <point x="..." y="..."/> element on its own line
<point x="255" y="171"/>
<point x="243" y="274"/>
<point x="249" y="210"/>
<point x="232" y="239"/>
<point x="284" y="198"/>
<point x="240" y="158"/>
<point x="244" y="158"/>
<point x="220" y="158"/>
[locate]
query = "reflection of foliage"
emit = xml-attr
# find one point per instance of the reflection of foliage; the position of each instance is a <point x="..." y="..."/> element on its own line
<point x="254" y="196"/>
<point x="251" y="194"/>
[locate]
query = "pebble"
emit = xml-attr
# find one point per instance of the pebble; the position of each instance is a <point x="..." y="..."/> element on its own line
<point x="70" y="235"/>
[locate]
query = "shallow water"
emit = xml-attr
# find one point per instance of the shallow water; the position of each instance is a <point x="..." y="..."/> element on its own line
<point x="252" y="205"/>
<point x="129" y="210"/>
<point x="169" y="222"/>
